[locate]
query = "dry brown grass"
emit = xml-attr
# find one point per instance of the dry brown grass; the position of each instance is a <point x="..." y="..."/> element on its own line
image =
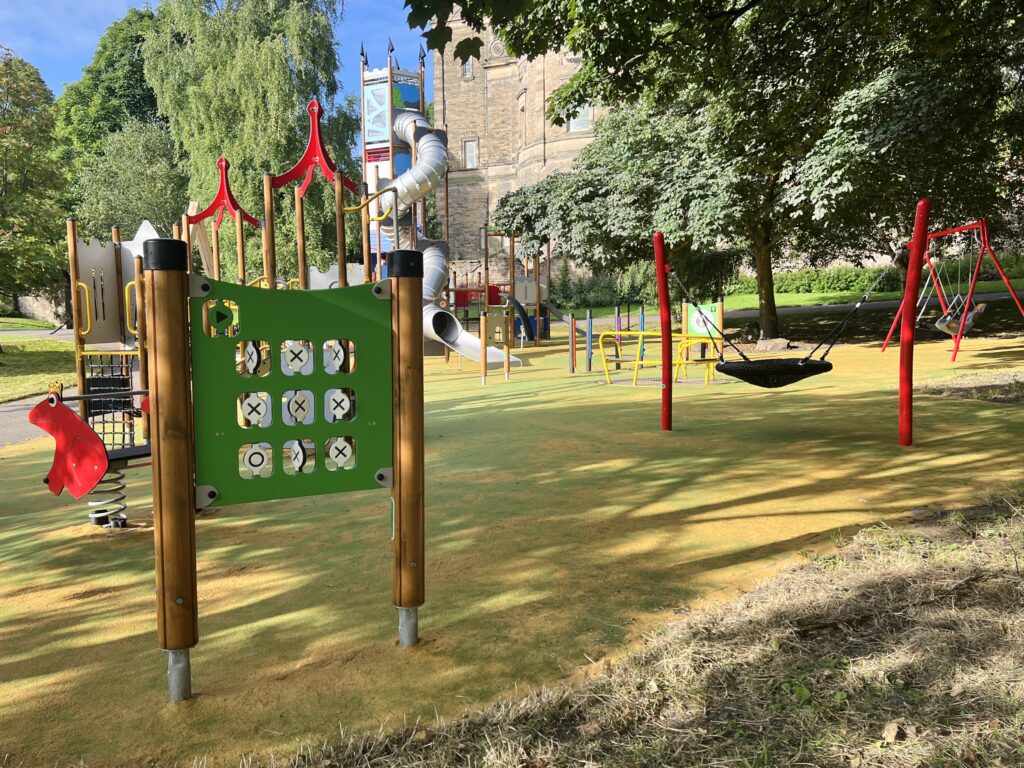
<point x="904" y="648"/>
<point x="1005" y="387"/>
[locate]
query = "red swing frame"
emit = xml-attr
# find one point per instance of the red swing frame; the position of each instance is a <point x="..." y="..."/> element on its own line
<point x="981" y="227"/>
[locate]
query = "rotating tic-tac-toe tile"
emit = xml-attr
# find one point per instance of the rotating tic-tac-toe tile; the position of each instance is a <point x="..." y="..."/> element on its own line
<point x="298" y="457"/>
<point x="255" y="459"/>
<point x="251" y="357"/>
<point x="336" y="357"/>
<point x="221" y="317"/>
<point x="340" y="452"/>
<point x="297" y="356"/>
<point x="339" y="405"/>
<point x="299" y="406"/>
<point x="255" y="409"/>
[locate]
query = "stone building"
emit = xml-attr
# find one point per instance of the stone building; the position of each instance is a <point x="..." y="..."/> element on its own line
<point x="498" y="138"/>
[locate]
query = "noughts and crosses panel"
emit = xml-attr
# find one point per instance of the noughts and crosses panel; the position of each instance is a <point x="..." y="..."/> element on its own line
<point x="292" y="391"/>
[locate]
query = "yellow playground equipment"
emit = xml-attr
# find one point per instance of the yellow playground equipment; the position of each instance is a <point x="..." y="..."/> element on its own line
<point x="692" y="351"/>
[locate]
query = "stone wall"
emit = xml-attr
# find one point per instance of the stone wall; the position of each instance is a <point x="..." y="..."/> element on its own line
<point x="39" y="308"/>
<point x="500" y="103"/>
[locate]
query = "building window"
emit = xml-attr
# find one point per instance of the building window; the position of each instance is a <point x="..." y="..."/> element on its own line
<point x="581" y="122"/>
<point x="467" y="68"/>
<point x="470" y="153"/>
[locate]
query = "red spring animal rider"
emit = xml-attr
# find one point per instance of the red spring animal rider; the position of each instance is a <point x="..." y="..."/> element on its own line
<point x="80" y="460"/>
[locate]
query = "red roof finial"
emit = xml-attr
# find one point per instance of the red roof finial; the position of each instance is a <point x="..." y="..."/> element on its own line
<point x="223" y="201"/>
<point x="314" y="156"/>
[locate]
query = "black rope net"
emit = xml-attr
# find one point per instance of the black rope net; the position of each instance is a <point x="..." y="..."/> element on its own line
<point x="773" y="372"/>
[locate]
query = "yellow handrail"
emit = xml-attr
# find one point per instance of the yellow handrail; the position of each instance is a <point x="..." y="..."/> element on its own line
<point x="293" y="283"/>
<point x="369" y="200"/>
<point x="88" y="309"/>
<point x="683" y="340"/>
<point x="260" y="282"/>
<point x="128" y="310"/>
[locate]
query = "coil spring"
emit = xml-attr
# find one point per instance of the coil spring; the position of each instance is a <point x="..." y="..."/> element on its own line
<point x="108" y="510"/>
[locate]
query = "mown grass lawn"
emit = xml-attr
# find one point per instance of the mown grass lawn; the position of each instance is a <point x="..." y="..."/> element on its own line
<point x="21" y="323"/>
<point x="28" y="365"/>
<point x="741" y="301"/>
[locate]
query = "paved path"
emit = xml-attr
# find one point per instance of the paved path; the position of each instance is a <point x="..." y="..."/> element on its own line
<point x="65" y="334"/>
<point x="14" y="426"/>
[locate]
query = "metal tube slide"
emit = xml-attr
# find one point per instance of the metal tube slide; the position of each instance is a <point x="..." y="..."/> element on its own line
<point x="412" y="128"/>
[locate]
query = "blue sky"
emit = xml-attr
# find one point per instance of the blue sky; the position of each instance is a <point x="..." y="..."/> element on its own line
<point x="59" y="36"/>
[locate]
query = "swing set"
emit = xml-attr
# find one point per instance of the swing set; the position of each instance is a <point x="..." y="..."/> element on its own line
<point x="959" y="313"/>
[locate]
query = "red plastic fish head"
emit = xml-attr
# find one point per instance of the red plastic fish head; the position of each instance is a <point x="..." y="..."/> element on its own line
<point x="80" y="458"/>
<point x="44" y="413"/>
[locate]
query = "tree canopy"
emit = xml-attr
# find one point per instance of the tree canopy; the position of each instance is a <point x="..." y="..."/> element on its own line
<point x="775" y="126"/>
<point x="133" y="175"/>
<point x="30" y="219"/>
<point x="112" y="90"/>
<point x="234" y="80"/>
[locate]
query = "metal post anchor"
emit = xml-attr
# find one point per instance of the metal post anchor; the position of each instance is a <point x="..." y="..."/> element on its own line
<point x="179" y="675"/>
<point x="408" y="627"/>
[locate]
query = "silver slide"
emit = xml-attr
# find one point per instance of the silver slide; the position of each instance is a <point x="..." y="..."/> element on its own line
<point x="421" y="179"/>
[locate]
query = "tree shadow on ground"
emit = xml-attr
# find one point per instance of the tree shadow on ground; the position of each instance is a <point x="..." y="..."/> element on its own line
<point x="557" y="518"/>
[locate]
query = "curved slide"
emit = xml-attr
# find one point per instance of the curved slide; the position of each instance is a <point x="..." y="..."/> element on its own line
<point x="524" y="317"/>
<point x="412" y="128"/>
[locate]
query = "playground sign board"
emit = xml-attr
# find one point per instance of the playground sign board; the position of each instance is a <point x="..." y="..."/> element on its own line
<point x="699" y="315"/>
<point x="292" y="391"/>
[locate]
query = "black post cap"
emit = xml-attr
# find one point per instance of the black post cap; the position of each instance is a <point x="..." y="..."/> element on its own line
<point x="405" y="264"/>
<point x="165" y="253"/>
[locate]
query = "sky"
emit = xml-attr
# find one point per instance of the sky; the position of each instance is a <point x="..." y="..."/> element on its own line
<point x="59" y="36"/>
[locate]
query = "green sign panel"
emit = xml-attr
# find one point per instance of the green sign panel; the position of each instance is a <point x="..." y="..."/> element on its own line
<point x="291" y="391"/>
<point x="699" y="315"/>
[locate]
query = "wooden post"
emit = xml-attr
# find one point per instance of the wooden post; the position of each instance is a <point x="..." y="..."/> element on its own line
<point x="721" y="321"/>
<point x="176" y="231"/>
<point x="405" y="272"/>
<point x="686" y="329"/>
<point x="115" y="240"/>
<point x="170" y="398"/>
<point x="240" y="247"/>
<point x="140" y="326"/>
<point x="364" y="213"/>
<point x="339" y="223"/>
<point x="590" y="340"/>
<point x="269" y="248"/>
<point x="547" y="261"/>
<point x="512" y="266"/>
<point x="186" y="236"/>
<point x="536" y="309"/>
<point x="487" y="263"/>
<point x="572" y="343"/>
<point x="507" y="335"/>
<point x="77" y="315"/>
<point x="300" y="239"/>
<point x="216" y="252"/>
<point x="483" y="346"/>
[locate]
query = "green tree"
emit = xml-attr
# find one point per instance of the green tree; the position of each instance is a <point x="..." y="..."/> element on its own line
<point x="111" y="91"/>
<point x="789" y="125"/>
<point x="234" y="80"/>
<point x="30" y="219"/>
<point x="134" y="175"/>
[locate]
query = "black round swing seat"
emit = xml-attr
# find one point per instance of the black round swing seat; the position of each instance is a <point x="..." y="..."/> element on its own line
<point x="773" y="372"/>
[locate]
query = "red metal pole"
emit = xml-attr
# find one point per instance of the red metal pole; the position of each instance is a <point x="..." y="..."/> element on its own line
<point x="999" y="267"/>
<point x="917" y="248"/>
<point x="661" y="267"/>
<point x="970" y="298"/>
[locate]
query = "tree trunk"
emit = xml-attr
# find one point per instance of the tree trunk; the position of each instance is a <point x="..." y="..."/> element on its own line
<point x="767" y="314"/>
